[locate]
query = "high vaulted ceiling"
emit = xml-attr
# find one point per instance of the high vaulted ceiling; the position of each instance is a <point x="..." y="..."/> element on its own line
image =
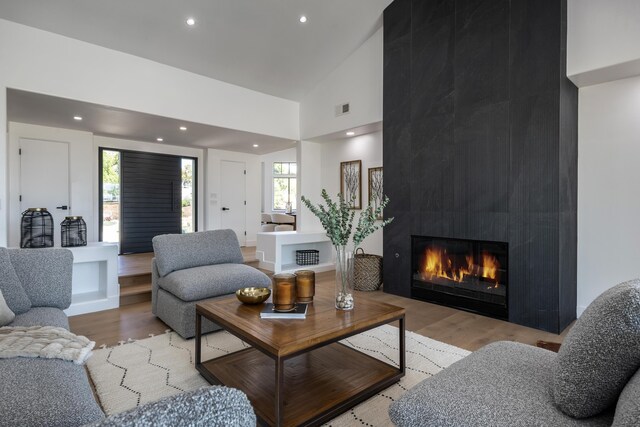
<point x="257" y="44"/>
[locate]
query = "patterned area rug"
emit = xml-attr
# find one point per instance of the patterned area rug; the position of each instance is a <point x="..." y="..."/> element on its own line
<point x="146" y="370"/>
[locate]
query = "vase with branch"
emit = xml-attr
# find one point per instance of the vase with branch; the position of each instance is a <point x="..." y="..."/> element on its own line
<point x="337" y="220"/>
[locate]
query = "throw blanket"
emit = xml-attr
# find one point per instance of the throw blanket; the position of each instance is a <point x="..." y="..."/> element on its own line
<point x="44" y="341"/>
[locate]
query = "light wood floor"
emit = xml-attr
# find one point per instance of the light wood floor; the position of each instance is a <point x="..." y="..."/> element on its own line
<point x="459" y="328"/>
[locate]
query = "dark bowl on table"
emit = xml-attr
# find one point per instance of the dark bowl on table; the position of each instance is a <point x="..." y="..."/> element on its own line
<point x="253" y="295"/>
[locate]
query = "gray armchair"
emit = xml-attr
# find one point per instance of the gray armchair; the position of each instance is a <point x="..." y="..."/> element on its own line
<point x="593" y="381"/>
<point x="190" y="268"/>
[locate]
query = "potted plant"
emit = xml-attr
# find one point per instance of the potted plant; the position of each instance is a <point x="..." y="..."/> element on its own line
<point x="337" y="220"/>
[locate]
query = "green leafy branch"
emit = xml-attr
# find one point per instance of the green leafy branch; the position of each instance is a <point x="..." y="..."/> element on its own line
<point x="337" y="219"/>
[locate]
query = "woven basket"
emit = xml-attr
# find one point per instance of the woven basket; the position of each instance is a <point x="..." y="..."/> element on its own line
<point x="367" y="271"/>
<point x="307" y="257"/>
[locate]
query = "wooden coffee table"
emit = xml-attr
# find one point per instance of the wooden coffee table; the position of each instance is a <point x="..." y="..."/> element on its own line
<point x="296" y="373"/>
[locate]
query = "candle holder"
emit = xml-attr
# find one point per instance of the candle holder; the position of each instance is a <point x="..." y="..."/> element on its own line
<point x="305" y="285"/>
<point x="284" y="292"/>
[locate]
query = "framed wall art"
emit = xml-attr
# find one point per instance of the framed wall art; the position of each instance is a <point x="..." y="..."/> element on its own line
<point x="375" y="188"/>
<point x="351" y="183"/>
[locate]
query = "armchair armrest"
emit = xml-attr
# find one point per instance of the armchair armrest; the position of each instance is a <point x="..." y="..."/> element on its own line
<point x="207" y="406"/>
<point x="45" y="275"/>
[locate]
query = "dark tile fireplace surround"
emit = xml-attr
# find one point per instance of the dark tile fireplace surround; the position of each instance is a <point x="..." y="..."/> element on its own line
<point x="480" y="144"/>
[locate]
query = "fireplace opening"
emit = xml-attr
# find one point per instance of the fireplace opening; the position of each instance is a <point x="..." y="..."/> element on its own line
<point x="466" y="274"/>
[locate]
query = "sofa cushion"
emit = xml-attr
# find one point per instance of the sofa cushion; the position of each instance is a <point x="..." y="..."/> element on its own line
<point x="42" y="316"/>
<point x="179" y="251"/>
<point x="48" y="285"/>
<point x="628" y="406"/>
<point x="181" y="315"/>
<point x="502" y="384"/>
<point x="600" y="353"/>
<point x="10" y="285"/>
<point x="45" y="392"/>
<point x="208" y="406"/>
<point x="6" y="315"/>
<point x="209" y="281"/>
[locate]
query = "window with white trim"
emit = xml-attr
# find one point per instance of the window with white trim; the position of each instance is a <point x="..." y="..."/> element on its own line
<point x="284" y="185"/>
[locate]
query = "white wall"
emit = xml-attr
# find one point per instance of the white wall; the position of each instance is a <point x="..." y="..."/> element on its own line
<point x="602" y="40"/>
<point x="358" y="80"/>
<point x="309" y="158"/>
<point x="215" y="181"/>
<point x="367" y="148"/>
<point x="267" y="160"/>
<point x="43" y="62"/>
<point x="608" y="187"/>
<point x="4" y="170"/>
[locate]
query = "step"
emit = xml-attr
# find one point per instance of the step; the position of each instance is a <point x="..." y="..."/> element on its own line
<point x="135" y="288"/>
<point x="252" y="262"/>
<point x="134" y="279"/>
<point x="134" y="294"/>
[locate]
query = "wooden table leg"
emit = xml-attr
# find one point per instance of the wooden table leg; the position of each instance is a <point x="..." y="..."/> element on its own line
<point x="402" y="346"/>
<point x="198" y="338"/>
<point x="279" y="397"/>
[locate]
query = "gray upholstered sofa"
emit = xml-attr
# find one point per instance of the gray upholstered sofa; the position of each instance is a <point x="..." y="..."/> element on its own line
<point x="594" y="380"/>
<point x="36" y="286"/>
<point x="190" y="268"/>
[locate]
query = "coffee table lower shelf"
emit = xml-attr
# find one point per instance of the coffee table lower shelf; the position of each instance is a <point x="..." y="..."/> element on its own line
<point x="318" y="385"/>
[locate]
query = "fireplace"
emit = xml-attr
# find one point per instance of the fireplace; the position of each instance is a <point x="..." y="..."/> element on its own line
<point x="467" y="274"/>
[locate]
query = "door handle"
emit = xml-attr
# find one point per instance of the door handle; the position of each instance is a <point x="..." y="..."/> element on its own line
<point x="225" y="209"/>
<point x="63" y="207"/>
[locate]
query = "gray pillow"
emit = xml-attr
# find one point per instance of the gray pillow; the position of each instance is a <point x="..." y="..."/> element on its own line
<point x="628" y="407"/>
<point x="6" y="315"/>
<point x="600" y="353"/>
<point x="10" y="285"/>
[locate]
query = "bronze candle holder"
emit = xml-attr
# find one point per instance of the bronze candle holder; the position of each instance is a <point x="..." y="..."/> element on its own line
<point x="305" y="285"/>
<point x="284" y="292"/>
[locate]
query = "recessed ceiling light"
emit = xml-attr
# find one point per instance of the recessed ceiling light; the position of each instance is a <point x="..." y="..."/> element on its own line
<point x="255" y="145"/>
<point x="78" y="118"/>
<point x="351" y="133"/>
<point x="303" y="19"/>
<point x="191" y="22"/>
<point x="159" y="139"/>
<point x="183" y="128"/>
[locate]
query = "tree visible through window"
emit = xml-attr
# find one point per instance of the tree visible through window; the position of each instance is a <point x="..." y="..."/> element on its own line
<point x="284" y="185"/>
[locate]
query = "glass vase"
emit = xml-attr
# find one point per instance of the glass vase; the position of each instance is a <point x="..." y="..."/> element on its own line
<point x="344" y="278"/>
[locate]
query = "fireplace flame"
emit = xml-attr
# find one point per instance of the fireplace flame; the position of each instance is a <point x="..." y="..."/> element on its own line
<point x="437" y="263"/>
<point x="490" y="266"/>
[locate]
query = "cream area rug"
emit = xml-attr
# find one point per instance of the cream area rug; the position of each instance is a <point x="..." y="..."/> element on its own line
<point x="142" y="371"/>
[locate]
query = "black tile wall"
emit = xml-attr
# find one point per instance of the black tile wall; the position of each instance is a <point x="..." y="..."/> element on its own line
<point x="480" y="142"/>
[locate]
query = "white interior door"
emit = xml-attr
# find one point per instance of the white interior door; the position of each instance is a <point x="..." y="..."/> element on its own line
<point x="44" y="179"/>
<point x="232" y="198"/>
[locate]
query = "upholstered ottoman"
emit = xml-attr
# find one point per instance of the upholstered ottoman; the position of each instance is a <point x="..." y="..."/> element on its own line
<point x="189" y="268"/>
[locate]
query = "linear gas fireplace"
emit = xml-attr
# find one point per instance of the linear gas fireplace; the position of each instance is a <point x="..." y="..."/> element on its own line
<point x="467" y="274"/>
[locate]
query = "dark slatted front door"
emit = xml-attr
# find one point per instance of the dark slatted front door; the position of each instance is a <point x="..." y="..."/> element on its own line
<point x="151" y="199"/>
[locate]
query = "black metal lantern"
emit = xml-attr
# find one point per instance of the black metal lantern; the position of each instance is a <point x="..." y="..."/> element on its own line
<point x="74" y="231"/>
<point x="36" y="228"/>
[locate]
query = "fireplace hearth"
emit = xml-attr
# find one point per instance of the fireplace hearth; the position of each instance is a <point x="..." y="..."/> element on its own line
<point x="467" y="274"/>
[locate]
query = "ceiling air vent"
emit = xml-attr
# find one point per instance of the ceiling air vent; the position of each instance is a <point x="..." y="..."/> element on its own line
<point x="342" y="109"/>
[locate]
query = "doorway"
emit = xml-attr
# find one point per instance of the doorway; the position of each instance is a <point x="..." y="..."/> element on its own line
<point x="50" y="190"/>
<point x="233" y="199"/>
<point x="143" y="195"/>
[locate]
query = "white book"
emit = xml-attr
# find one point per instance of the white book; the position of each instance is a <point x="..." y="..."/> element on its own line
<point x="299" y="312"/>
